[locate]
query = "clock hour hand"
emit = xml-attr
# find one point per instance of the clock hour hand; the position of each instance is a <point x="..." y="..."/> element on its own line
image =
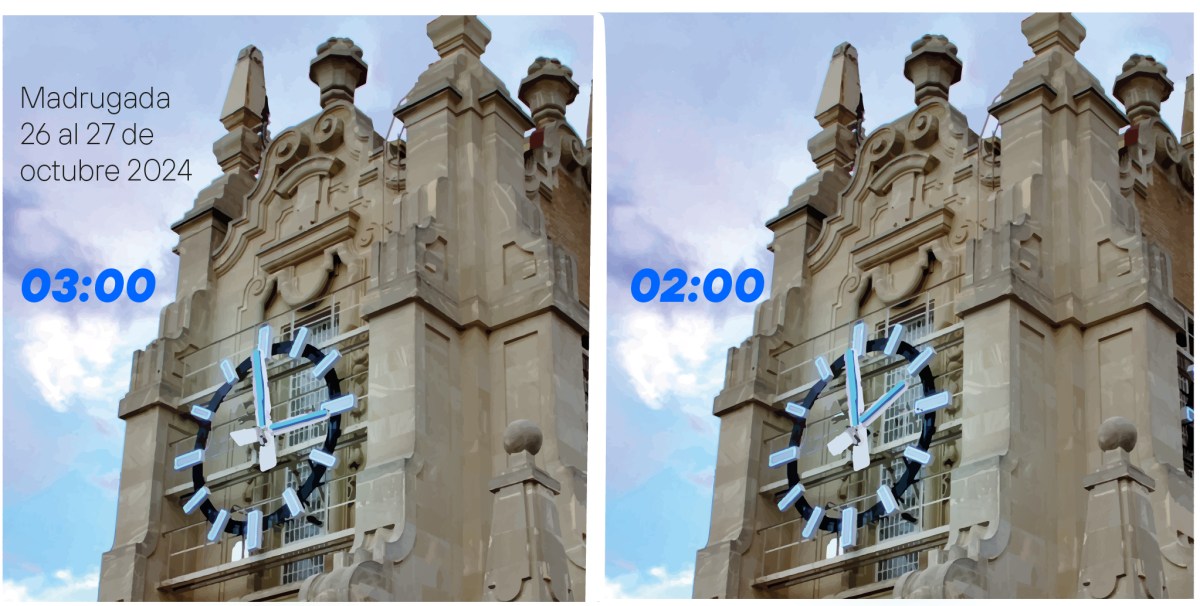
<point x="887" y="399"/>
<point x="298" y="421"/>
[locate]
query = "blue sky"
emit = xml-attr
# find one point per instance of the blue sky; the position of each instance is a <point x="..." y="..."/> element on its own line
<point x="66" y="366"/>
<point x="708" y="122"/>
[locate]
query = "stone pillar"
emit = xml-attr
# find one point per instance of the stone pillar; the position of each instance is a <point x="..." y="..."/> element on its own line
<point x="526" y="561"/>
<point x="1120" y="556"/>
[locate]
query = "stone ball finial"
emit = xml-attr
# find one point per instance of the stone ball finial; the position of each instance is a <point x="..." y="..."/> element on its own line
<point x="338" y="70"/>
<point x="1142" y="87"/>
<point x="522" y="435"/>
<point x="1117" y="432"/>
<point x="452" y="34"/>
<point x="933" y="67"/>
<point x="548" y="90"/>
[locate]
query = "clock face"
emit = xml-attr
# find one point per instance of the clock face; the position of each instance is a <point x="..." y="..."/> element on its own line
<point x="854" y="439"/>
<point x="264" y="433"/>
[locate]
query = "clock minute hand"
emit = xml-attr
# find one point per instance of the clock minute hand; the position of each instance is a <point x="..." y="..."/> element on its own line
<point x="262" y="391"/>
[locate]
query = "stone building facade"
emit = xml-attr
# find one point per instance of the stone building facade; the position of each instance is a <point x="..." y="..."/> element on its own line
<point x="449" y="268"/>
<point x="1051" y="268"/>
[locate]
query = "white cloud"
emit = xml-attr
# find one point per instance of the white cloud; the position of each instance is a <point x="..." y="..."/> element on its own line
<point x="676" y="354"/>
<point x="62" y="586"/>
<point x="74" y="362"/>
<point x="657" y="583"/>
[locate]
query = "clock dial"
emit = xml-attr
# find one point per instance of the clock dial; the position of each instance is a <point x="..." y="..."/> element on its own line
<point x="860" y="416"/>
<point x="263" y="435"/>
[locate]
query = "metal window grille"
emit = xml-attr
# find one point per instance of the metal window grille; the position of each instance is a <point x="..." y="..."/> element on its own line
<point x="895" y="525"/>
<point x="1184" y="356"/>
<point x="300" y="528"/>
<point x="306" y="392"/>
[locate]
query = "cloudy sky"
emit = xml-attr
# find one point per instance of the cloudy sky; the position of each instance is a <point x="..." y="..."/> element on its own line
<point x="708" y="123"/>
<point x="67" y="365"/>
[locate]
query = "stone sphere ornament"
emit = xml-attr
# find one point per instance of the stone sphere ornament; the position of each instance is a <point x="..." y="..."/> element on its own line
<point x="522" y="435"/>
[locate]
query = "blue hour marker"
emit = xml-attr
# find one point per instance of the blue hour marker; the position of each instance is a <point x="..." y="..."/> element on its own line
<point x="787" y="455"/>
<point x="196" y="500"/>
<point x="912" y="453"/>
<point x="337" y="406"/>
<point x="849" y="527"/>
<point x="935" y="402"/>
<point x="326" y="363"/>
<point x="814" y="522"/>
<point x="320" y="457"/>
<point x="218" y="526"/>
<point x="860" y="337"/>
<point x="823" y="368"/>
<point x="1189" y="415"/>
<point x="893" y="342"/>
<point x="254" y="520"/>
<point x="298" y="343"/>
<point x="189" y="459"/>
<point x="888" y="499"/>
<point x="791" y="497"/>
<point x="264" y="341"/>
<point x="796" y="410"/>
<point x="293" y="502"/>
<point x="230" y="374"/>
<point x="202" y="413"/>
<point x="919" y="364"/>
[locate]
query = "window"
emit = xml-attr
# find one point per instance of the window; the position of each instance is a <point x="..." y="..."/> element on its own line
<point x="900" y="423"/>
<point x="1184" y="356"/>
<point x="305" y="395"/>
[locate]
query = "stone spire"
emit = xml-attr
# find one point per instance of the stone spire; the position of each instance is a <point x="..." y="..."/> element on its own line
<point x="1120" y="557"/>
<point x="933" y="67"/>
<point x="526" y="561"/>
<point x="838" y="110"/>
<point x="1188" y="136"/>
<point x="338" y="70"/>
<point x="548" y="90"/>
<point x="244" y="114"/>
<point x="1142" y="87"/>
<point x="1050" y="31"/>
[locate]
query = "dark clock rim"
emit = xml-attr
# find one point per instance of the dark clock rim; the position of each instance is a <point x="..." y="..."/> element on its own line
<point x="900" y="486"/>
<point x="333" y="433"/>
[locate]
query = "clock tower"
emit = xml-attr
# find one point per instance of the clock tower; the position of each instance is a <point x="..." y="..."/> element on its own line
<point x="447" y="269"/>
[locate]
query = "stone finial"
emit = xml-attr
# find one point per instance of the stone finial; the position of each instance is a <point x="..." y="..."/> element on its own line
<point x="244" y="115"/>
<point x="338" y="70"/>
<point x="1142" y="86"/>
<point x="839" y="112"/>
<point x="1188" y="129"/>
<point x="841" y="94"/>
<point x="461" y="33"/>
<point x="1047" y="31"/>
<point x="933" y="67"/>
<point x="522" y="435"/>
<point x="548" y="90"/>
<point x="1117" y="432"/>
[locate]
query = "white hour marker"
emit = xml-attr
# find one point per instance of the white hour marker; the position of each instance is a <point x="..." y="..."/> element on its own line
<point x="791" y="497"/>
<point x="320" y="457"/>
<point x="888" y="499"/>
<point x="920" y="362"/>
<point x="1189" y="414"/>
<point x="912" y="453"/>
<point x="229" y="372"/>
<point x="218" y="526"/>
<point x="814" y="522"/>
<point x="787" y="455"/>
<point x="189" y="459"/>
<point x="196" y="500"/>
<point x="254" y="520"/>
<point x="823" y="368"/>
<point x="298" y="343"/>
<point x="202" y="413"/>
<point x="796" y="410"/>
<point x="264" y="341"/>
<point x="326" y="363"/>
<point x="893" y="342"/>
<point x="935" y="402"/>
<point x="293" y="502"/>
<point x="849" y="527"/>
